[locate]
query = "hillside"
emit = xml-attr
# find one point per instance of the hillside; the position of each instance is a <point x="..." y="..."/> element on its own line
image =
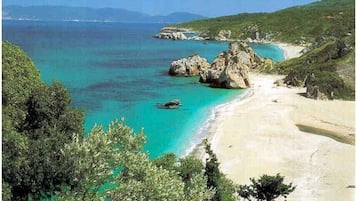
<point x="293" y="25"/>
<point x="326" y="28"/>
<point x="66" y="13"/>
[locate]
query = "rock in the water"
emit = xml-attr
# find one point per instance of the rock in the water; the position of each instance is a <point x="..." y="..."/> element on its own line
<point x="190" y="66"/>
<point x="175" y="102"/>
<point x="230" y="68"/>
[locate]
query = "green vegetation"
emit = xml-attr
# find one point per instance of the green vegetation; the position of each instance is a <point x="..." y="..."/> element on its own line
<point x="36" y="123"/>
<point x="328" y="67"/>
<point x="326" y="28"/>
<point x="215" y="179"/>
<point x="266" y="188"/>
<point x="326" y="17"/>
<point x="46" y="156"/>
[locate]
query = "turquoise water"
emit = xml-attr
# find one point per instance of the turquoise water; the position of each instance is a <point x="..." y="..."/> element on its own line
<point x="115" y="70"/>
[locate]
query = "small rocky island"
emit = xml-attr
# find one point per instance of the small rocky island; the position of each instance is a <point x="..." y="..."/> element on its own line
<point x="172" y="104"/>
<point x="228" y="70"/>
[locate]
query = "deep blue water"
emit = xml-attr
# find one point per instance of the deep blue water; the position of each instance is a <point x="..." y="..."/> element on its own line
<point x="116" y="70"/>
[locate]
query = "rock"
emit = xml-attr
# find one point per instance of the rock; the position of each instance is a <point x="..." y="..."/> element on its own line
<point x="171" y="35"/>
<point x="230" y="68"/>
<point x="175" y="102"/>
<point x="224" y="35"/>
<point x="315" y="93"/>
<point x="279" y="83"/>
<point x="190" y="66"/>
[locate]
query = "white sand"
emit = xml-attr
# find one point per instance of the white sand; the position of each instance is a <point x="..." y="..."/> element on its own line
<point x="290" y="51"/>
<point x="259" y="136"/>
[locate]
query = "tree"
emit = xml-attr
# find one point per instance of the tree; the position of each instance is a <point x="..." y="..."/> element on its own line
<point x="224" y="187"/>
<point x="167" y="161"/>
<point x="94" y="158"/>
<point x="266" y="188"/>
<point x="189" y="167"/>
<point x="37" y="123"/>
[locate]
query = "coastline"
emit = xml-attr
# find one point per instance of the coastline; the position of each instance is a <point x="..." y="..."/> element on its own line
<point x="290" y="51"/>
<point x="263" y="138"/>
<point x="207" y="131"/>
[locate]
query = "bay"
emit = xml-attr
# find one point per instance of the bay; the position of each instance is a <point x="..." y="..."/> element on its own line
<point x="118" y="70"/>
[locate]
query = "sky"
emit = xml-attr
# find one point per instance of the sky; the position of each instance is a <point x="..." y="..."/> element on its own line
<point x="208" y="8"/>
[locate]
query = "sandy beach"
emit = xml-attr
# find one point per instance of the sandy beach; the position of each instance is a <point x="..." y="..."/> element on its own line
<point x="290" y="51"/>
<point x="259" y="135"/>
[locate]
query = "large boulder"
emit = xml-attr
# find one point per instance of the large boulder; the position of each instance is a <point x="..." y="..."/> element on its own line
<point x="230" y="68"/>
<point x="190" y="66"/>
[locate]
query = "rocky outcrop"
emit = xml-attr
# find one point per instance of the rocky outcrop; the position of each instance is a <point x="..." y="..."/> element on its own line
<point x="190" y="66"/>
<point x="253" y="34"/>
<point x="174" y="33"/>
<point x="223" y="35"/>
<point x="171" y="35"/>
<point x="230" y="68"/>
<point x="315" y="93"/>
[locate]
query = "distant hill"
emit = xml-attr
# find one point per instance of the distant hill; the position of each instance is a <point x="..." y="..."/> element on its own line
<point x="293" y="24"/>
<point x="65" y="13"/>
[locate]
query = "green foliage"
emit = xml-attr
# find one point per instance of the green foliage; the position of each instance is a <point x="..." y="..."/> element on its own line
<point x="266" y="188"/>
<point x="167" y="161"/>
<point x="191" y="171"/>
<point x="5" y="192"/>
<point x="189" y="167"/>
<point x="225" y="189"/>
<point x="92" y="159"/>
<point x="19" y="75"/>
<point x="333" y="18"/>
<point x="19" y="78"/>
<point x="329" y="66"/>
<point x="37" y="122"/>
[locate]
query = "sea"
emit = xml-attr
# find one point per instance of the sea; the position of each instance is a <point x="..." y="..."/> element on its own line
<point x="120" y="71"/>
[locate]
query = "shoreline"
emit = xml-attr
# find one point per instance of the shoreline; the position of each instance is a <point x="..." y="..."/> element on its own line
<point x="198" y="150"/>
<point x="290" y="51"/>
<point x="267" y="141"/>
<point x="264" y="138"/>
